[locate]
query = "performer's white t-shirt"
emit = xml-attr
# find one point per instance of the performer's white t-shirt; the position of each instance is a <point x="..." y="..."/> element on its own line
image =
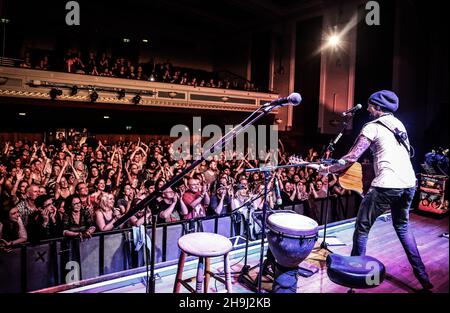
<point x="392" y="165"/>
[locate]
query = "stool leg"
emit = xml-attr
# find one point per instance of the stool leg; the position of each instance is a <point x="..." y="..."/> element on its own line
<point x="200" y="274"/>
<point x="176" y="287"/>
<point x="227" y="271"/>
<point x="207" y="273"/>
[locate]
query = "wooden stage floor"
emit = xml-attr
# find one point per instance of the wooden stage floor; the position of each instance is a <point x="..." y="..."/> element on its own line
<point x="383" y="244"/>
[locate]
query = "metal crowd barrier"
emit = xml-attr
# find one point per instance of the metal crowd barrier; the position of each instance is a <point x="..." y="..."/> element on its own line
<point x="54" y="262"/>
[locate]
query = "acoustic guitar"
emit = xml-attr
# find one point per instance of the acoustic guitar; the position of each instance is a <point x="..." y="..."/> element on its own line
<point x="351" y="178"/>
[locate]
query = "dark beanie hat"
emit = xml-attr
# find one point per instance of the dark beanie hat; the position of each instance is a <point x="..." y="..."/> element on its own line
<point x="386" y="99"/>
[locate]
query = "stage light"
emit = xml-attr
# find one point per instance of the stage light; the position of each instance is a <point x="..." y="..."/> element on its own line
<point x="35" y="82"/>
<point x="128" y="127"/>
<point x="121" y="93"/>
<point x="94" y="96"/>
<point x="334" y="40"/>
<point x="137" y="99"/>
<point x="74" y="90"/>
<point x="152" y="77"/>
<point x="3" y="80"/>
<point x="22" y="114"/>
<point x="145" y="40"/>
<point x="126" y="40"/>
<point x="54" y="93"/>
<point x="106" y="117"/>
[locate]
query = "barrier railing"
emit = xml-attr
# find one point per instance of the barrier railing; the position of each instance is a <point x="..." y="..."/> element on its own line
<point x="53" y="262"/>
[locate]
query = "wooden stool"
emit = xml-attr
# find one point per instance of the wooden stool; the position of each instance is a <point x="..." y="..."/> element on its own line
<point x="203" y="246"/>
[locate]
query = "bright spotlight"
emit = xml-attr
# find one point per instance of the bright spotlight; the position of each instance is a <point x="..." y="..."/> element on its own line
<point x="334" y="40"/>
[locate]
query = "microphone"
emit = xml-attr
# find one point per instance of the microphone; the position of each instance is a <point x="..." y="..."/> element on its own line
<point x="293" y="99"/>
<point x="352" y="110"/>
<point x="277" y="192"/>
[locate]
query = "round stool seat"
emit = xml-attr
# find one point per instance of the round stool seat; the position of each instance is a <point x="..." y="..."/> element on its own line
<point x="205" y="244"/>
<point x="359" y="272"/>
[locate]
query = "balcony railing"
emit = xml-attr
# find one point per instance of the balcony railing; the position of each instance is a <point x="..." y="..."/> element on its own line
<point x="37" y="84"/>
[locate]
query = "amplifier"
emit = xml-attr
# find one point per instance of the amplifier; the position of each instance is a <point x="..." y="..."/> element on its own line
<point x="432" y="190"/>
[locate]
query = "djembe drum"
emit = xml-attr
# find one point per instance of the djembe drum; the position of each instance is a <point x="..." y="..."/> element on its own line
<point x="291" y="238"/>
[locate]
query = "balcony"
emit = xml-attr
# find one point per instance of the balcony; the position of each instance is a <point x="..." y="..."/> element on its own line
<point x="19" y="83"/>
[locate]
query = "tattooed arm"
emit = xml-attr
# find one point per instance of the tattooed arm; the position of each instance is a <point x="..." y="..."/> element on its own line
<point x="361" y="144"/>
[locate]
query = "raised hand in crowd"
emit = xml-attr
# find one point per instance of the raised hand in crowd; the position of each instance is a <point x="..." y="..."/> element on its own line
<point x="230" y="191"/>
<point x="6" y="149"/>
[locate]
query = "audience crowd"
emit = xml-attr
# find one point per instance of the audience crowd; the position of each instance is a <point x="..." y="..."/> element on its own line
<point x="75" y="187"/>
<point x="75" y="62"/>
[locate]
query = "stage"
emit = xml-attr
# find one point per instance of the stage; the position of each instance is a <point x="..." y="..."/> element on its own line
<point x="383" y="244"/>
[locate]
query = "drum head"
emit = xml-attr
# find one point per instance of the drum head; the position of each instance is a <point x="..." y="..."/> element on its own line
<point x="292" y="224"/>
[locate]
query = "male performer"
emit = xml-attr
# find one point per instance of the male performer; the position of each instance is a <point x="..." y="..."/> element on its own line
<point x="394" y="184"/>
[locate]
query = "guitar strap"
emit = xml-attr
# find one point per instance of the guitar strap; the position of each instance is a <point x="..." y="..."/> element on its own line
<point x="400" y="136"/>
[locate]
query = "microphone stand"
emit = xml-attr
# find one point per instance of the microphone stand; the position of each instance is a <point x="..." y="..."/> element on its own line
<point x="216" y="147"/>
<point x="152" y="261"/>
<point x="263" y="229"/>
<point x="266" y="171"/>
<point x="331" y="148"/>
<point x="150" y="280"/>
<point x="244" y="276"/>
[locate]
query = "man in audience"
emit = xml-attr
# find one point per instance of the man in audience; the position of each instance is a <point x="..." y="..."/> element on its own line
<point x="28" y="206"/>
<point x="171" y="208"/>
<point x="82" y="191"/>
<point x="196" y="199"/>
<point x="44" y="222"/>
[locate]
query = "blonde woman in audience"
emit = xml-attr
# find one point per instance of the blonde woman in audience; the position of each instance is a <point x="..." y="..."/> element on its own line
<point x="107" y="214"/>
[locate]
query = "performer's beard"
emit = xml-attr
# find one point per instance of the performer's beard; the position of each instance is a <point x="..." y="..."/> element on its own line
<point x="372" y="117"/>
